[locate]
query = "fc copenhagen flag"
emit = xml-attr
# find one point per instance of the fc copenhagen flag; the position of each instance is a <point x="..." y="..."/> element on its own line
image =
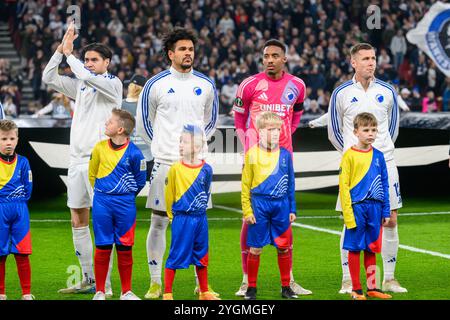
<point x="432" y="35"/>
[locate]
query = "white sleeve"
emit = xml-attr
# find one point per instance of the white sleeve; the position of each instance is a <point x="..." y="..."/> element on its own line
<point x="110" y="86"/>
<point x="393" y="116"/>
<point x="146" y="111"/>
<point x="62" y="84"/>
<point x="321" y="121"/>
<point x="335" y="122"/>
<point x="402" y="104"/>
<point x="2" y="112"/>
<point x="48" y="108"/>
<point x="211" y="112"/>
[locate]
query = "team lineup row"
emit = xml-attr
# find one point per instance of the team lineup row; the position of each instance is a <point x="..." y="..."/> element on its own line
<point x="183" y="102"/>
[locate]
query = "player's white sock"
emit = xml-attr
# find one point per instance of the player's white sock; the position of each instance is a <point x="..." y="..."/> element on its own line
<point x="83" y="247"/>
<point x="389" y="251"/>
<point x="108" y="276"/>
<point x="156" y="246"/>
<point x="344" y="259"/>
<point x="245" y="278"/>
<point x="292" y="276"/>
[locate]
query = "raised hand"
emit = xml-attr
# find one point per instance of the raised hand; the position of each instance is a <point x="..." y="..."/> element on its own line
<point x="68" y="39"/>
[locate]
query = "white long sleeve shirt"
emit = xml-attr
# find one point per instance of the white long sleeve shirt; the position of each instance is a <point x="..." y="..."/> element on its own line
<point x="349" y="99"/>
<point x="170" y="100"/>
<point x="95" y="96"/>
<point x="2" y="112"/>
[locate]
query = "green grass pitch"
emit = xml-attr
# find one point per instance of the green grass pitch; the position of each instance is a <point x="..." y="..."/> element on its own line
<point x="316" y="254"/>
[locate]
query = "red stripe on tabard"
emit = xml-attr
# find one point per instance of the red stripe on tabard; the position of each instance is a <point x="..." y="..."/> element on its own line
<point x="204" y="261"/>
<point x="377" y="244"/>
<point x="24" y="246"/>
<point x="284" y="240"/>
<point x="128" y="238"/>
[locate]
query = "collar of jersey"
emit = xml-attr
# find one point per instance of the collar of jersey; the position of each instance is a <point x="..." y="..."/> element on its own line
<point x="274" y="80"/>
<point x="9" y="162"/>
<point x="181" y="75"/>
<point x="359" y="85"/>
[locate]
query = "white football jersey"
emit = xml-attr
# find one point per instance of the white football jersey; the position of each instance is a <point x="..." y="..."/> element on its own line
<point x="170" y="100"/>
<point x="350" y="99"/>
<point x="95" y="96"/>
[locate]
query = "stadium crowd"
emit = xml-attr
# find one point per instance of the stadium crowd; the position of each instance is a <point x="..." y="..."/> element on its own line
<point x="318" y="35"/>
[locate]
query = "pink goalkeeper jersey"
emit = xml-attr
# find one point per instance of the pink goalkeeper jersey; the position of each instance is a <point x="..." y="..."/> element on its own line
<point x="260" y="93"/>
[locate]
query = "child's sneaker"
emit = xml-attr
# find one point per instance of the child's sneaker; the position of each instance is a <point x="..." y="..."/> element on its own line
<point x="346" y="287"/>
<point x="287" y="293"/>
<point x="377" y="293"/>
<point x="99" y="295"/>
<point x="358" y="295"/>
<point x="129" y="296"/>
<point x="28" y="297"/>
<point x="250" y="294"/>
<point x="3" y="297"/>
<point x="167" y="296"/>
<point x="207" y="296"/>
<point x="393" y="286"/>
<point x="210" y="290"/>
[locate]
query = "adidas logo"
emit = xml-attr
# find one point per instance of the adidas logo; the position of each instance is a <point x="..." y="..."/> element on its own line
<point x="77" y="253"/>
<point x="392" y="260"/>
<point x="171" y="91"/>
<point x="354" y="100"/>
<point x="345" y="264"/>
<point x="263" y="96"/>
<point x="153" y="263"/>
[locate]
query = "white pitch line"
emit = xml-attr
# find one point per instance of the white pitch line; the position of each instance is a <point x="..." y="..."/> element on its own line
<point x="306" y="226"/>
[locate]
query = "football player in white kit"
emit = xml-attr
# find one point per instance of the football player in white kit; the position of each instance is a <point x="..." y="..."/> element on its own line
<point x="365" y="93"/>
<point x="96" y="93"/>
<point x="169" y="100"/>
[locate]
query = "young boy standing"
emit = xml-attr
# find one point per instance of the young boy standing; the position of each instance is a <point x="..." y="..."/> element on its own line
<point x="15" y="191"/>
<point x="117" y="172"/>
<point x="268" y="201"/>
<point x="364" y="192"/>
<point x="187" y="192"/>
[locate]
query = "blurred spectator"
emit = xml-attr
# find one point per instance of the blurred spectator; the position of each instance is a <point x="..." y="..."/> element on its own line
<point x="9" y="107"/>
<point x="429" y="103"/>
<point x="61" y="107"/>
<point x="403" y="99"/>
<point x="398" y="48"/>
<point x="318" y="35"/>
<point x="227" y="96"/>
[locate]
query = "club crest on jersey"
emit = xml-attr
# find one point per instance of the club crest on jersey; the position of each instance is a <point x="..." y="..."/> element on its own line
<point x="197" y="91"/>
<point x="238" y="102"/>
<point x="380" y="98"/>
<point x="290" y="96"/>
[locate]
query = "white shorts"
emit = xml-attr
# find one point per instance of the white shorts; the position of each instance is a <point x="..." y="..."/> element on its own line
<point x="79" y="190"/>
<point x="395" y="198"/>
<point x="156" y="199"/>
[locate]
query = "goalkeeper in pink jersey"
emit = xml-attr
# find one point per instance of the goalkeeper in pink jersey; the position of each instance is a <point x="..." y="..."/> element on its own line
<point x="277" y="91"/>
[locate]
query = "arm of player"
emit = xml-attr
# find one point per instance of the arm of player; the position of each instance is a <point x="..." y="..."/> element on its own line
<point x="2" y="112"/>
<point x="393" y="117"/>
<point x="241" y="108"/>
<point x="247" y="178"/>
<point x="170" y="192"/>
<point x="146" y="111"/>
<point x="140" y="171"/>
<point x="63" y="84"/>
<point x="109" y="86"/>
<point x="27" y="179"/>
<point x="298" y="105"/>
<point x="94" y="163"/>
<point x="386" y="207"/>
<point x="211" y="112"/>
<point x="319" y="122"/>
<point x="344" y="193"/>
<point x="335" y="122"/>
